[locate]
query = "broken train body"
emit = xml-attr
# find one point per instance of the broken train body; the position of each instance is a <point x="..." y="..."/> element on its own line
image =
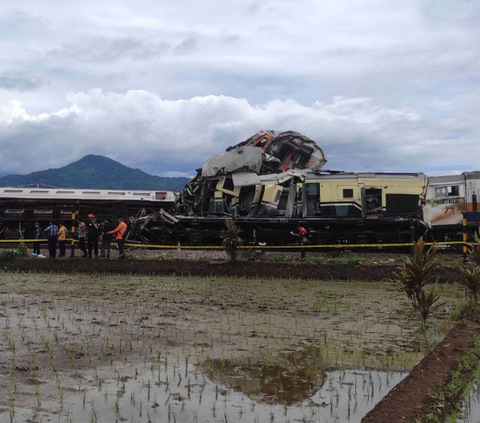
<point x="274" y="182"/>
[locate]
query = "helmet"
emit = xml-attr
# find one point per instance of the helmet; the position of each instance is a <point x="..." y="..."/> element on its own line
<point x="90" y="216"/>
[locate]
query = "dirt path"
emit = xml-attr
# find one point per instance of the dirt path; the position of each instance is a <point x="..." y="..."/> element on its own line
<point x="245" y="269"/>
<point x="411" y="399"/>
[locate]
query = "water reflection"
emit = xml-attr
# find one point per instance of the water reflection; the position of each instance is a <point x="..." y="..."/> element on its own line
<point x="183" y="394"/>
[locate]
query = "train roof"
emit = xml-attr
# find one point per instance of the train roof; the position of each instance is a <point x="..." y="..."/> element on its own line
<point x="366" y="175"/>
<point x="87" y="194"/>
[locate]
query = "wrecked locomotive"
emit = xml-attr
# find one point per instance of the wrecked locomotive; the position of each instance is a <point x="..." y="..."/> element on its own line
<point x="274" y="182"/>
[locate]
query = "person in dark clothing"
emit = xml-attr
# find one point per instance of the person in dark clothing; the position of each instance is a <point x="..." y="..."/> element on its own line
<point x="93" y="232"/>
<point x="106" y="237"/>
<point x="37" y="235"/>
<point x="52" y="233"/>
<point x="302" y="240"/>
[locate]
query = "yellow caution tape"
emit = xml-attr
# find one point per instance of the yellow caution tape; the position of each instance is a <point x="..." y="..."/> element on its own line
<point x="255" y="247"/>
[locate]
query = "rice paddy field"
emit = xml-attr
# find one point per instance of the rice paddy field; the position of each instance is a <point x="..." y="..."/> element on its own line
<point x="87" y="348"/>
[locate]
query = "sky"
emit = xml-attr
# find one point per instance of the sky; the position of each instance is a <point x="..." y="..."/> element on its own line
<point x="163" y="85"/>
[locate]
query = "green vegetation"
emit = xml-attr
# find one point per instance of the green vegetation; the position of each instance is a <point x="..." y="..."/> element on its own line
<point x="447" y="398"/>
<point x="415" y="274"/>
<point x="348" y="260"/>
<point x="96" y="172"/>
<point x="471" y="281"/>
<point x="231" y="239"/>
<point x="474" y="251"/>
<point x="21" y="251"/>
<point x="252" y="255"/>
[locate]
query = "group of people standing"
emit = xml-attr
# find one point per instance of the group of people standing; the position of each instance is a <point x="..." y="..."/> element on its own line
<point x="89" y="235"/>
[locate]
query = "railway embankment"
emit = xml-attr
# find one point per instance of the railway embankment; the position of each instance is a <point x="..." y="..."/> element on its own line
<point x="244" y="269"/>
<point x="435" y="387"/>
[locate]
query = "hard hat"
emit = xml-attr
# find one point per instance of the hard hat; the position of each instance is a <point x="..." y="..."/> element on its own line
<point x="90" y="215"/>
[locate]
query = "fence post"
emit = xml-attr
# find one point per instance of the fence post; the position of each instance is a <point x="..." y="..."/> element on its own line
<point x="464" y="236"/>
<point x="72" y="242"/>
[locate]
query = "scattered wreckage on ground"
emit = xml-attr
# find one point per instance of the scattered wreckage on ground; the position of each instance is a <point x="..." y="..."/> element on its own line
<point x="274" y="182"/>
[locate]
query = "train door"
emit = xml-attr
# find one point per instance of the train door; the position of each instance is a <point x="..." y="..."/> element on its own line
<point x="372" y="201"/>
<point x="311" y="199"/>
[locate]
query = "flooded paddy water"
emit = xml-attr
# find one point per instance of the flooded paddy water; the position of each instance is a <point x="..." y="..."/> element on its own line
<point x="120" y="348"/>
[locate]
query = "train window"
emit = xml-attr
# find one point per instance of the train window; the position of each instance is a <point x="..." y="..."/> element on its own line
<point x="91" y="192"/>
<point x="453" y="191"/>
<point x="161" y="195"/>
<point x="115" y="193"/>
<point x="141" y="194"/>
<point x="13" y="191"/>
<point x="347" y="193"/>
<point x="38" y="191"/>
<point x="440" y="191"/>
<point x="65" y="192"/>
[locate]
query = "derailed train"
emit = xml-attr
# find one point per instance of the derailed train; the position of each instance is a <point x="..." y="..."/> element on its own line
<point x="270" y="184"/>
<point x="274" y="182"/>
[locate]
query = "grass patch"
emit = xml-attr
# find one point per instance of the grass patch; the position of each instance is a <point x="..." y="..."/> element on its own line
<point x="448" y="398"/>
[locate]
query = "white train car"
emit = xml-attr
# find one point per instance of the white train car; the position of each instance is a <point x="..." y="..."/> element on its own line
<point x="20" y="207"/>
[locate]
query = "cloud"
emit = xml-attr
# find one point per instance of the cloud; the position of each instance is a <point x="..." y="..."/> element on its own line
<point x="174" y="137"/>
<point x="380" y="85"/>
<point x="15" y="81"/>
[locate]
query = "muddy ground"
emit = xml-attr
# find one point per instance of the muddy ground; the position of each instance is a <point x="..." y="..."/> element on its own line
<point x="67" y="338"/>
<point x="243" y="269"/>
<point x="414" y="397"/>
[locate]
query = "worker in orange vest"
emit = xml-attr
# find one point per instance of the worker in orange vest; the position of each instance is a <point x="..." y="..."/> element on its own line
<point x="302" y="240"/>
<point x="120" y="230"/>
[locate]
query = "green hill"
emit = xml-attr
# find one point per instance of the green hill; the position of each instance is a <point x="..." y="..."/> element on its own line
<point x="96" y="172"/>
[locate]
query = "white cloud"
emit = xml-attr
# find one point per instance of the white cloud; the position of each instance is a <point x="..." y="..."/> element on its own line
<point x="379" y="84"/>
<point x="161" y="136"/>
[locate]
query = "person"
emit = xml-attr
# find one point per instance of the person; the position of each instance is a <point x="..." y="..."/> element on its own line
<point x="92" y="236"/>
<point x="82" y="229"/>
<point x="52" y="233"/>
<point x="106" y="238"/>
<point x="302" y="240"/>
<point x="38" y="235"/>
<point x="120" y="230"/>
<point x="62" y="239"/>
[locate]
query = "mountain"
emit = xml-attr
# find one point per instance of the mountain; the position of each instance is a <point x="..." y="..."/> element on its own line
<point x="96" y="172"/>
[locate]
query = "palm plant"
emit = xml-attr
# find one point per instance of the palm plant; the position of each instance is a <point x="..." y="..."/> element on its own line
<point x="416" y="272"/>
<point x="471" y="281"/>
<point x="474" y="251"/>
<point x="231" y="239"/>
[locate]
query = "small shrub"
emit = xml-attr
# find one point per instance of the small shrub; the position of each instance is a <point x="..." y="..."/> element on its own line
<point x="251" y="254"/>
<point x="231" y="239"/>
<point x="164" y="256"/>
<point x="22" y="250"/>
<point x="8" y="254"/>
<point x="460" y="311"/>
<point x="416" y="272"/>
<point x="278" y="258"/>
<point x="471" y="281"/>
<point x="474" y="251"/>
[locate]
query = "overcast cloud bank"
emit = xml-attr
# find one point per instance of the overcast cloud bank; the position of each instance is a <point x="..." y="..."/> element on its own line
<point x="380" y="85"/>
